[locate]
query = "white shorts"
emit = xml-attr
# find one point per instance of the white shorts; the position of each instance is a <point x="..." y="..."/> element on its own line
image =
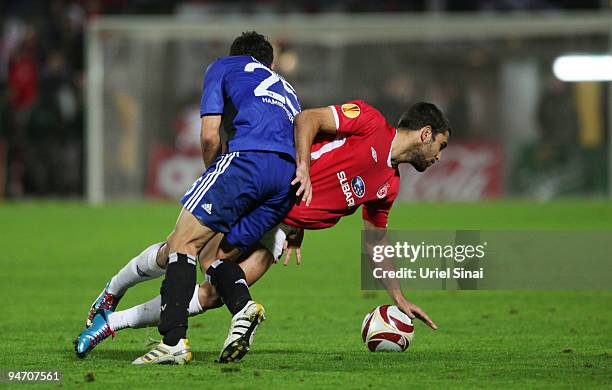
<point x="274" y="239"/>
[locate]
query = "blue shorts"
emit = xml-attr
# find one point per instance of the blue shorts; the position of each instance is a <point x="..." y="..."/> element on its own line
<point x="243" y="195"/>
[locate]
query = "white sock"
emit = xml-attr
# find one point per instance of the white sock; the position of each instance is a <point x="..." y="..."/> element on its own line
<point x="141" y="268"/>
<point x="147" y="314"/>
<point x="143" y="315"/>
<point x="194" y="305"/>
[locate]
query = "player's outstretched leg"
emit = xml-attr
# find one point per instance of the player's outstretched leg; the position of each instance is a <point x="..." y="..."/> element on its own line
<point x="141" y="268"/>
<point x="244" y="322"/>
<point x="106" y="323"/>
<point x="146" y="314"/>
<point x="204" y="298"/>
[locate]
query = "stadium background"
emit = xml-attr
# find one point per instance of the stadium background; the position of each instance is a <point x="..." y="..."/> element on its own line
<point x="98" y="112"/>
<point x="126" y="75"/>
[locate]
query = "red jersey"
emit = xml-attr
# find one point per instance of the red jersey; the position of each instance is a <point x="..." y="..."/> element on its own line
<point x="349" y="169"/>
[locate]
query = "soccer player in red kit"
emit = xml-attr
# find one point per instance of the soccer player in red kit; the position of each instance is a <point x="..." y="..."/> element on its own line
<point x="350" y="159"/>
<point x="349" y="164"/>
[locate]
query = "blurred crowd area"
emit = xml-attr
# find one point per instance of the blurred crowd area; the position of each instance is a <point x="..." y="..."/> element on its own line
<point x="42" y="78"/>
<point x="41" y="98"/>
<point x="518" y="130"/>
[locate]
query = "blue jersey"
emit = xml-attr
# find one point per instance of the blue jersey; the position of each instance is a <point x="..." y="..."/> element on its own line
<point x="258" y="105"/>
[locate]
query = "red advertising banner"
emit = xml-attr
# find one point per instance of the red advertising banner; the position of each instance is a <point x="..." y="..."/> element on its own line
<point x="171" y="172"/>
<point x="468" y="171"/>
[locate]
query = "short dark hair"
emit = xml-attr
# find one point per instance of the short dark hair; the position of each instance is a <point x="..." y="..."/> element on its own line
<point x="422" y="114"/>
<point x="250" y="43"/>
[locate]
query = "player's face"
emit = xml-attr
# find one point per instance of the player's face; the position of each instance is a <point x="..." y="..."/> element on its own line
<point x="430" y="150"/>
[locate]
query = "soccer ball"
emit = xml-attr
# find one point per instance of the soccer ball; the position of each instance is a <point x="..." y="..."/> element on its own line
<point x="387" y="329"/>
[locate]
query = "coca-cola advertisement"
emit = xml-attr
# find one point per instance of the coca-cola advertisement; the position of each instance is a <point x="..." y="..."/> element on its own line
<point x="171" y="172"/>
<point x="467" y="171"/>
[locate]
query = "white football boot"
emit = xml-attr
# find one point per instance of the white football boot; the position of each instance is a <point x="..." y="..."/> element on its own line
<point x="242" y="329"/>
<point x="165" y="354"/>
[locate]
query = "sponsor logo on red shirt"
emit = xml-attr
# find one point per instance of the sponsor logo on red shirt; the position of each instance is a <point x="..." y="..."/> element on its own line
<point x="346" y="189"/>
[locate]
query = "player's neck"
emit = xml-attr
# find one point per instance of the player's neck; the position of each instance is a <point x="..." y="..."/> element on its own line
<point x="403" y="146"/>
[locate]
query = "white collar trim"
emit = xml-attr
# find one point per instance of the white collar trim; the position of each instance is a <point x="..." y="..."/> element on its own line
<point x="391" y="148"/>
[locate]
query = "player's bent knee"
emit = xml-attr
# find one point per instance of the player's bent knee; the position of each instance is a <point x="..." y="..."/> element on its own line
<point x="181" y="244"/>
<point x="190" y="243"/>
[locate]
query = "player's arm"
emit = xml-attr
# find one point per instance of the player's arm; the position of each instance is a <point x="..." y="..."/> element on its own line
<point x="392" y="286"/>
<point x="308" y="124"/>
<point x="212" y="105"/>
<point x="210" y="140"/>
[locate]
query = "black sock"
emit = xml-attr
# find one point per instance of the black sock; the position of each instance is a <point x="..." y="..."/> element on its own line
<point x="176" y="292"/>
<point x="230" y="281"/>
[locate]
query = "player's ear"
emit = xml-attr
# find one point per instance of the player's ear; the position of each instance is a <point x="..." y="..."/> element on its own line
<point x="426" y="135"/>
<point x="273" y="66"/>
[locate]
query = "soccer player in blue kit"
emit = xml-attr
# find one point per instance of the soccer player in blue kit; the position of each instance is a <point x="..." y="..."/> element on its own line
<point x="242" y="194"/>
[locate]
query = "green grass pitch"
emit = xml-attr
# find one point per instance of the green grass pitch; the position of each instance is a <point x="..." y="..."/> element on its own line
<point x="57" y="256"/>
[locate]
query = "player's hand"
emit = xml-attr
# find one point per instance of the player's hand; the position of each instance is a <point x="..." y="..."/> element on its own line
<point x="302" y="176"/>
<point x="293" y="241"/>
<point x="413" y="311"/>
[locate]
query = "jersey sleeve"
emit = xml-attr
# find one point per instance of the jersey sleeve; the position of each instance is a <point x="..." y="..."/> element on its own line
<point x="212" y="91"/>
<point x="356" y="118"/>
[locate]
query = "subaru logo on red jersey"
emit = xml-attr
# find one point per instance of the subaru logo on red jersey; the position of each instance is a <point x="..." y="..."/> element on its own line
<point x="358" y="186"/>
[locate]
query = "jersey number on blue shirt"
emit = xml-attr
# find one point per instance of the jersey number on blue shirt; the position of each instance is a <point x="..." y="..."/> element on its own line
<point x="262" y="89"/>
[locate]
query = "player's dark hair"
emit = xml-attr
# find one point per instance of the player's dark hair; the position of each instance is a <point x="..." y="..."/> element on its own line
<point x="255" y="45"/>
<point x="422" y="114"/>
